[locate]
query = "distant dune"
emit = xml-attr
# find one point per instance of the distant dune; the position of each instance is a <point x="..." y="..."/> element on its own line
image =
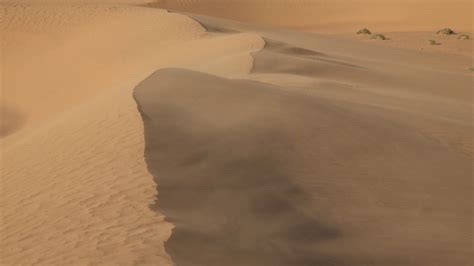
<point x="337" y="15"/>
<point x="133" y="135"/>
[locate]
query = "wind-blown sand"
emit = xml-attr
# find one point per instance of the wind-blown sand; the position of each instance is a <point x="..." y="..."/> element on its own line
<point x="267" y="146"/>
<point x="75" y="187"/>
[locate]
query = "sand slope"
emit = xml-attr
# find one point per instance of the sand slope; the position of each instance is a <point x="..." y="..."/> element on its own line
<point x="74" y="191"/>
<point x="333" y="151"/>
<point x="338" y="15"/>
<point x="255" y="174"/>
<point x="74" y="185"/>
<point x="341" y="154"/>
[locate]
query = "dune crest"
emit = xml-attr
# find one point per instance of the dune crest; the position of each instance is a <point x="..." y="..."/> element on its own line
<point x="296" y="163"/>
<point x="75" y="166"/>
<point x="269" y="145"/>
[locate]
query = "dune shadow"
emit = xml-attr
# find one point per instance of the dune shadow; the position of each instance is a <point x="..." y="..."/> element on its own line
<point x="220" y="180"/>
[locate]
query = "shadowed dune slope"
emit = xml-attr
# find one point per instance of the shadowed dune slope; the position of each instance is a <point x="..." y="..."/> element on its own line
<point x="327" y="153"/>
<point x="257" y="174"/>
<point x="273" y="147"/>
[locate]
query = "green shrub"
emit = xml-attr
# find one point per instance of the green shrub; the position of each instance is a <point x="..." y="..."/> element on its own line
<point x="379" y="37"/>
<point x="434" y="42"/>
<point x="446" y="31"/>
<point x="464" y="37"/>
<point x="364" y="31"/>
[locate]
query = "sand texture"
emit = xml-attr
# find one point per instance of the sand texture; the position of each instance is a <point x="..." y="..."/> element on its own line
<point x="256" y="174"/>
<point x="340" y="15"/>
<point x="135" y="135"/>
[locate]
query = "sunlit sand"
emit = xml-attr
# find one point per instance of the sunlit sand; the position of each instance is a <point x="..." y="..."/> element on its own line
<point x="235" y="133"/>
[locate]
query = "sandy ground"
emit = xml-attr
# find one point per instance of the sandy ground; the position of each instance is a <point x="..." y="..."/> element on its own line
<point x="255" y="174"/>
<point x="336" y="15"/>
<point x="318" y="157"/>
<point x="72" y="146"/>
<point x="265" y="144"/>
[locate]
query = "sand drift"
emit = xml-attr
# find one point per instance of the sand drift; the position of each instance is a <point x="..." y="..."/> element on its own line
<point x="135" y="135"/>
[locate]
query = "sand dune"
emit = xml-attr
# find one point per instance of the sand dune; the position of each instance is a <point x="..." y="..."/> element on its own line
<point x="254" y="146"/>
<point x="74" y="163"/>
<point x="70" y="45"/>
<point x="319" y="162"/>
<point x="255" y="174"/>
<point x="336" y="15"/>
<point x="74" y="191"/>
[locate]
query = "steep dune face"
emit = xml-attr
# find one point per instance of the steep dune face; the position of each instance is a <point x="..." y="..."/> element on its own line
<point x="74" y="185"/>
<point x="340" y="154"/>
<point x="322" y="151"/>
<point x="257" y="174"/>
<point x="337" y="14"/>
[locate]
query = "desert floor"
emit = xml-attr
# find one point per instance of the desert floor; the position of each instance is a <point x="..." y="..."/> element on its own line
<point x="235" y="133"/>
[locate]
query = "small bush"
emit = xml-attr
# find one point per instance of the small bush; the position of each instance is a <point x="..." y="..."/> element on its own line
<point x="433" y="42"/>
<point x="364" y="31"/>
<point x="471" y="68"/>
<point x="379" y="37"/>
<point x="464" y="37"/>
<point x="446" y="31"/>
